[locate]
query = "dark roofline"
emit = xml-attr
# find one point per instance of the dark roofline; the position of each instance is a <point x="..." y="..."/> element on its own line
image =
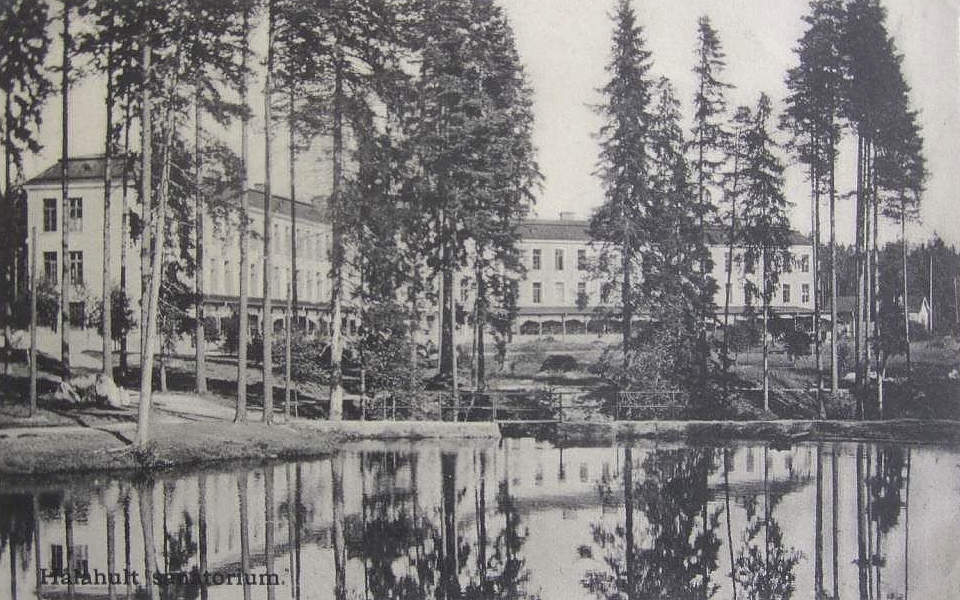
<point x="796" y="238"/>
<point x="53" y="173"/>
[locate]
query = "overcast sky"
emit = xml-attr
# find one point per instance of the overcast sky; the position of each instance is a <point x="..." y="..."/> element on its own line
<point x="565" y="46"/>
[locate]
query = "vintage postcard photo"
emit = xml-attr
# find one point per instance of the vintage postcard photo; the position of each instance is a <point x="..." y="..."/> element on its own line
<point x="463" y="299"/>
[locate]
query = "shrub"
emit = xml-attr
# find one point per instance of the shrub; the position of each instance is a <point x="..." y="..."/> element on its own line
<point x="559" y="363"/>
<point x="797" y="343"/>
<point x="743" y="336"/>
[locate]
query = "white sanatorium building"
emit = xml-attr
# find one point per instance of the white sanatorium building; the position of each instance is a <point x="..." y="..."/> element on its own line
<point x="555" y="253"/>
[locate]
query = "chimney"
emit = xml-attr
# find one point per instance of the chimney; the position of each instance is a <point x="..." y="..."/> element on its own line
<point x="567" y="215"/>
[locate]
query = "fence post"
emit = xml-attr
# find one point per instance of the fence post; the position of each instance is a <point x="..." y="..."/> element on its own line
<point x="440" y="406"/>
<point x="363" y="408"/>
<point x="393" y="402"/>
<point x="383" y="409"/>
<point x="456" y="407"/>
<point x="616" y="414"/>
<point x="560" y="405"/>
<point x="493" y="401"/>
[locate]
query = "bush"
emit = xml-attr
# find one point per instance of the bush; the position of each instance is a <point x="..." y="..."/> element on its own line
<point x="743" y="336"/>
<point x="559" y="363"/>
<point x="797" y="343"/>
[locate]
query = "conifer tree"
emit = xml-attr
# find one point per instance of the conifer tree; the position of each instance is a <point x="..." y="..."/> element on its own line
<point x="764" y="227"/>
<point x="23" y="50"/>
<point x="624" y="161"/>
<point x="812" y="119"/>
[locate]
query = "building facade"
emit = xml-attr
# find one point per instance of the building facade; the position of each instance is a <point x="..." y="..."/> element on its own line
<point x="558" y="294"/>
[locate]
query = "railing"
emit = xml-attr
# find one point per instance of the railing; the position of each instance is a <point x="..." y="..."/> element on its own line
<point x="497" y="406"/>
<point x="635" y="406"/>
<point x="518" y="406"/>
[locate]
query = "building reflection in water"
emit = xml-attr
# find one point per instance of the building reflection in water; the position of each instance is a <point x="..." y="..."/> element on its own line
<point x="500" y="521"/>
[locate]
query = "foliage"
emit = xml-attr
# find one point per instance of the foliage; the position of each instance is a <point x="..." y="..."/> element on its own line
<point x="384" y="345"/>
<point x="48" y="305"/>
<point x="559" y="363"/>
<point x="122" y="318"/>
<point x="797" y="343"/>
<point x="743" y="335"/>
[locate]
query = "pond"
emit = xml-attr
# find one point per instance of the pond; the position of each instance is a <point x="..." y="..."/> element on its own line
<point x="516" y="518"/>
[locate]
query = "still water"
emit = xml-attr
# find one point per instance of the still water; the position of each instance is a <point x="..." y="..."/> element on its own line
<point x="510" y="519"/>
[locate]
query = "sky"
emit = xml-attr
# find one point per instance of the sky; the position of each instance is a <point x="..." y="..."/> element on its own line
<point x="565" y="45"/>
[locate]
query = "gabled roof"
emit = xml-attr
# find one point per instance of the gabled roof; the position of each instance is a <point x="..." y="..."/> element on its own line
<point x="80" y="168"/>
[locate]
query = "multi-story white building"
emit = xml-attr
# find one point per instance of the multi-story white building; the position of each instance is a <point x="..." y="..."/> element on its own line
<point x="558" y="295"/>
<point x="220" y="243"/>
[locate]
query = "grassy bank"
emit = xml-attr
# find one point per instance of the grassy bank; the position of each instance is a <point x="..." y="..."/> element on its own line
<point x="38" y="451"/>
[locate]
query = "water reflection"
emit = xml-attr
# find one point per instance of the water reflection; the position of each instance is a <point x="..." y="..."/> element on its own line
<point x="500" y="521"/>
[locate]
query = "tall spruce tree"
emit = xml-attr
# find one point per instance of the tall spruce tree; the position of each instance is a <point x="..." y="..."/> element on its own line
<point x="624" y="164"/>
<point x="708" y="145"/>
<point x="671" y="284"/>
<point x="764" y="227"/>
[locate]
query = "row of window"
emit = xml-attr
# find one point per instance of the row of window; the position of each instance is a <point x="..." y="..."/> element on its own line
<point x="51" y="268"/>
<point x="801" y="263"/>
<point x="309" y="242"/>
<point x="786" y="293"/>
<point x="559" y="292"/>
<point x="50" y="221"/>
<point x="222" y="279"/>
<point x="536" y="261"/>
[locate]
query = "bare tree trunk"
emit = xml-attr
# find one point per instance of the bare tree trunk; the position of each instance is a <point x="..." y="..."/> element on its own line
<point x="64" y="318"/>
<point x="9" y="262"/>
<point x="337" y="254"/>
<point x="818" y="529"/>
<point x="267" y="235"/>
<point x="628" y="518"/>
<point x="292" y="291"/>
<point x="834" y="366"/>
<point x="766" y="345"/>
<point x="858" y="305"/>
<point x="33" y="321"/>
<point x="199" y="332"/>
<point x="815" y="270"/>
<point x="124" y="228"/>
<point x="106" y="317"/>
<point x="146" y="170"/>
<point x="243" y="329"/>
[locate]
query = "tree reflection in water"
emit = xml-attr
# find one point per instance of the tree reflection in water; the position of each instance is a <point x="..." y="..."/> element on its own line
<point x="411" y="551"/>
<point x="680" y="549"/>
<point x="767" y="572"/>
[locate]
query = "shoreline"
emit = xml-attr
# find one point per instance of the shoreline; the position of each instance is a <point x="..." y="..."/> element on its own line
<point x="54" y="451"/>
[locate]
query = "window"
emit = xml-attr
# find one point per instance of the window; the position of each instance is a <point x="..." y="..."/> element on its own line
<point x="805" y="263"/>
<point x="76" y="268"/>
<point x="805" y="293"/>
<point x="747" y="294"/>
<point x="726" y="261"/>
<point x="536" y="259"/>
<point x="76" y="214"/>
<point x="582" y="291"/>
<point x="786" y="293"/>
<point x="319" y="284"/>
<point x="464" y="290"/>
<point x="558" y="259"/>
<point x="253" y="279"/>
<point x="537" y="292"/>
<point x="49" y="214"/>
<point x="50" y="267"/>
<point x="581" y="259"/>
<point x="56" y="558"/>
<point x="77" y="313"/>
<point x="558" y="291"/>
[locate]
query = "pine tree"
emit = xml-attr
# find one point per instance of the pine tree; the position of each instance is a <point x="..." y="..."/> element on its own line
<point x="812" y="119"/>
<point x="624" y="161"/>
<point x="23" y="50"/>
